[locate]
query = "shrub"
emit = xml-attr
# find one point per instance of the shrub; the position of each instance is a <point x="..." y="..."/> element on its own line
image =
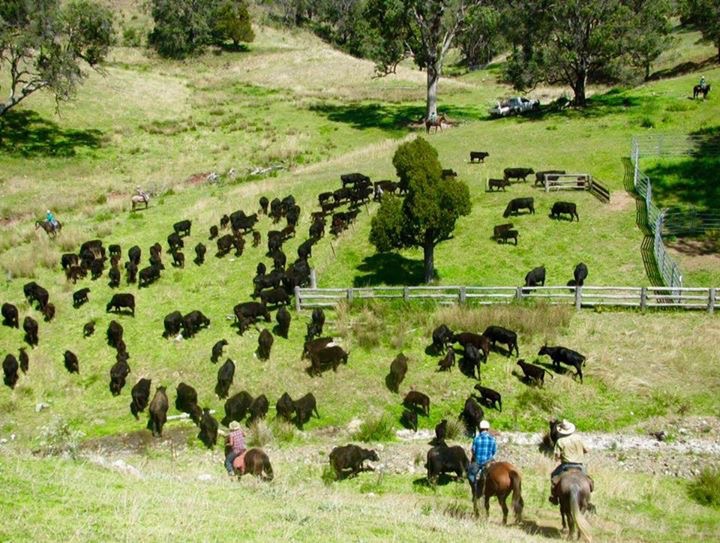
<point x="57" y="438"/>
<point x="259" y="434"/>
<point x="379" y="429"/>
<point x="535" y="399"/>
<point x="705" y="488"/>
<point x="454" y="429"/>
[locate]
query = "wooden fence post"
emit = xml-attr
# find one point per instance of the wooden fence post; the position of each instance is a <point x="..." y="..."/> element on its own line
<point x="298" y="303"/>
<point x="519" y="293"/>
<point x="350" y="295"/>
<point x="643" y="298"/>
<point x="313" y="278"/>
<point x="463" y="296"/>
<point x="578" y="297"/>
<point x="406" y="294"/>
<point x="711" y="301"/>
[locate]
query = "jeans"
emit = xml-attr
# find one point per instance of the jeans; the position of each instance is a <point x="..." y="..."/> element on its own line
<point x="475" y="470"/>
<point x="229" y="459"/>
<point x="564" y="467"/>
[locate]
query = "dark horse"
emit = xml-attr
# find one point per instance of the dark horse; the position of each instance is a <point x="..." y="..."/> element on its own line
<point x="436" y="122"/>
<point x="501" y="479"/>
<point x="254" y="462"/>
<point x="50" y="229"/>
<point x="698" y="90"/>
<point x="573" y="490"/>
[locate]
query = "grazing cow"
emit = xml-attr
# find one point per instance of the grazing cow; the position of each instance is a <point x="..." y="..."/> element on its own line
<point x="480" y="156"/>
<point x="48" y="311"/>
<point x="517" y="173"/>
<point x="441" y="337"/>
<point x="498" y="334"/>
<point x="540" y="176"/>
<point x="251" y="311"/>
<point x="140" y="395"/>
<point x="348" y="461"/>
<point x="213" y="232"/>
<point x="224" y="244"/>
<point x="193" y="321"/>
<point x="270" y="280"/>
<point x="490" y="397"/>
<point x="96" y="269"/>
<point x="80" y="297"/>
<point x="498" y="184"/>
<point x="471" y="360"/>
<point x="175" y="242"/>
<point x="178" y="259"/>
<point x="256" y="238"/>
<point x="507" y="235"/>
<point x="516" y="204"/>
<point x="158" y="411"/>
<point x="236" y="407"/>
<point x="535" y="277"/>
<point x="398" y="369"/>
<point x="217" y="350"/>
<point x="471" y="415"/>
<point x="30" y="326"/>
<point x="186" y="401"/>
<point x="10" y="315"/>
<point x="149" y="275"/>
<point x="69" y="259"/>
<point x="114" y="276"/>
<point x="409" y="419"/>
<point x="305" y="407"/>
<point x="314" y="345"/>
<point x="480" y="342"/>
<point x="283" y="319"/>
<point x="225" y="378"/>
<point x="88" y="328"/>
<point x="258" y="409"/>
<point x="533" y="372"/>
<point x="131" y="270"/>
<point x="444" y="459"/>
<point x="569" y="208"/>
<point x="135" y="255"/>
<point x="284" y="408"/>
<point x="120" y="301"/>
<point x="224" y="221"/>
<point x="71" y="362"/>
<point x="275" y="296"/>
<point x="182" y="228"/>
<point x="563" y="355"/>
<point x="10" y="370"/>
<point x="200" y="251"/>
<point x="208" y="429"/>
<point x="448" y="174"/>
<point x="448" y="361"/>
<point x="580" y="274"/>
<point x="440" y="433"/>
<point x="240" y="222"/>
<point x="24" y="360"/>
<point x="35" y="293"/>
<point x="265" y="341"/>
<point x="500" y="229"/>
<point x="264" y="203"/>
<point x="118" y="374"/>
<point x="415" y="400"/>
<point x="114" y="333"/>
<point x="93" y="244"/>
<point x="329" y="357"/>
<point x="305" y="248"/>
<point x="318" y="317"/>
<point x="73" y="273"/>
<point x="353" y="179"/>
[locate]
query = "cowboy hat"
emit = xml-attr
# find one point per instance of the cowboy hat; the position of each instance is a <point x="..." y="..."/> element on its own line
<point x="484" y="425"/>
<point x="234" y="425"/>
<point x="565" y="428"/>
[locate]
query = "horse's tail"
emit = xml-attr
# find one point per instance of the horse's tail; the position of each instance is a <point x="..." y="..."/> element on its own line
<point x="267" y="467"/>
<point x="517" y="499"/>
<point x="582" y="525"/>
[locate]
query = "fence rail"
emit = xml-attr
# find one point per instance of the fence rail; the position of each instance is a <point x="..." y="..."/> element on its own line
<point x="580" y="297"/>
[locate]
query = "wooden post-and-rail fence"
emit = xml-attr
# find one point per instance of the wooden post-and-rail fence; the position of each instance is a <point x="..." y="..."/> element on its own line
<point x="581" y="297"/>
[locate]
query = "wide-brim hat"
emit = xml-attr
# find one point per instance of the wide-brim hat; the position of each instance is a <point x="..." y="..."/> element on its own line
<point x="565" y="428"/>
<point x="234" y="425"/>
<point x="484" y="425"/>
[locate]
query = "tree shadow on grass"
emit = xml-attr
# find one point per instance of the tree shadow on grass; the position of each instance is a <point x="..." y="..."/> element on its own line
<point x="389" y="269"/>
<point x="24" y="133"/>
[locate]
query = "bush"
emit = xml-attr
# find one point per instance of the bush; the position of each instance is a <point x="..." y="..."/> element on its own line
<point x="259" y="434"/>
<point x="380" y="429"/>
<point x="132" y="37"/>
<point x="454" y="429"/>
<point x="705" y="488"/>
<point x="57" y="438"/>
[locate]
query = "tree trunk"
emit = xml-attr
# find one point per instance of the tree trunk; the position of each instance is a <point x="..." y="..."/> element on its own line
<point x="429" y="259"/>
<point x="579" y="89"/>
<point x="433" y="77"/>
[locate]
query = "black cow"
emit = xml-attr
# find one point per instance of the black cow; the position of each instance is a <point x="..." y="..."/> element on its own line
<point x="96" y="268"/>
<point x="563" y="355"/>
<point x="398" y="369"/>
<point x="283" y="319"/>
<point x="217" y="350"/>
<point x="471" y="415"/>
<point x="121" y="301"/>
<point x="118" y="373"/>
<point x="535" y="277"/>
<point x="225" y="378"/>
<point x="71" y="362"/>
<point x="131" y="270"/>
<point x="251" y="311"/>
<point x="444" y="459"/>
<point x="507" y="235"/>
<point x="264" y="203"/>
<point x="448" y="174"/>
<point x="440" y="433"/>
<point x="173" y="323"/>
<point x="275" y="296"/>
<point x="490" y="397"/>
<point x="480" y="342"/>
<point x="471" y="360"/>
<point x="186" y="401"/>
<point x="140" y="395"/>
<point x="68" y="260"/>
<point x="564" y="207"/>
<point x="30" y="326"/>
<point x="224" y="221"/>
<point x="193" y="321"/>
<point x="24" y="360"/>
<point x="516" y="204"/>
<point x="135" y="255"/>
<point x="115" y="250"/>
<point x="10" y="370"/>
<point x="580" y="274"/>
<point x="48" y="311"/>
<point x="88" y="328"/>
<point x="498" y="334"/>
<point x="224" y="244"/>
<point x="178" y="259"/>
<point x="182" y="228"/>
<point x="114" y="333"/>
<point x="265" y="342"/>
<point x="258" y="408"/>
<point x="448" y="361"/>
<point x="415" y="400"/>
<point x="409" y="419"/>
<point x="73" y="273"/>
<point x="158" y="412"/>
<point x="269" y="280"/>
<point x="441" y="337"/>
<point x="305" y="407"/>
<point x="208" y="429"/>
<point x="35" y="293"/>
<point x="175" y="242"/>
<point x="149" y="275"/>
<point x="114" y="276"/>
<point x="318" y="318"/>
<point x="348" y="460"/>
<point x="517" y="173"/>
<point x="533" y="372"/>
<point x="499" y="184"/>
<point x="80" y="297"/>
<point x="10" y="315"/>
<point x="353" y="179"/>
<point x="213" y="232"/>
<point x="257" y="238"/>
<point x="93" y="244"/>
<point x="236" y="407"/>
<point x="284" y="408"/>
<point x="305" y="248"/>
<point x="540" y="176"/>
<point x="200" y="251"/>
<point x="480" y="156"/>
<point x="315" y="345"/>
<point x="329" y="357"/>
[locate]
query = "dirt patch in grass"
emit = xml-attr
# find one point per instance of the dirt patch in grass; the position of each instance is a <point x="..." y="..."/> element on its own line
<point x="696" y="247"/>
<point x="620" y="201"/>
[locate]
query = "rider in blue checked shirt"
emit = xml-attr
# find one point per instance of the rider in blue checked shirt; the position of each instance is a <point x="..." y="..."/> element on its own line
<point x="484" y="448"/>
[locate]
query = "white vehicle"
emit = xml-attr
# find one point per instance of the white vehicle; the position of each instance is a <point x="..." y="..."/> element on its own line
<point x="513" y="106"/>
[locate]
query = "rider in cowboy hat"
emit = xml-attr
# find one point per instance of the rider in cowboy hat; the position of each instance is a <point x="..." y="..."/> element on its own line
<point x="51" y="219"/>
<point x="570" y="451"/>
<point x="236" y="439"/>
<point x="484" y="448"/>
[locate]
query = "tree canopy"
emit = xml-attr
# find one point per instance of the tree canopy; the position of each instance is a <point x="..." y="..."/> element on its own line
<point x="44" y="44"/>
<point x="705" y="15"/>
<point x="428" y="213"/>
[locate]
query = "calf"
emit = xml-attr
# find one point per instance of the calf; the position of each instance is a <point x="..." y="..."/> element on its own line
<point x="535" y="277"/>
<point x="498" y="184"/>
<point x="48" y="311"/>
<point x="415" y="400"/>
<point x="178" y="259"/>
<point x="10" y="370"/>
<point x="284" y="408"/>
<point x="251" y="312"/>
<point x="213" y="232"/>
<point x="258" y="409"/>
<point x="173" y="323"/>
<point x="193" y="322"/>
<point x="208" y="429"/>
<point x="568" y="208"/>
<point x="30" y="326"/>
<point x="147" y="276"/>
<point x="186" y="401"/>
<point x="304" y="409"/>
<point x="471" y="415"/>
<point x="283" y="319"/>
<point x="448" y="361"/>
<point x="114" y="334"/>
<point x="131" y="271"/>
<point x="224" y="244"/>
<point x="121" y="301"/>
<point x="441" y="336"/>
<point x="540" y="176"/>
<point x="236" y="407"/>
<point x="80" y="297"/>
<point x="114" y="276"/>
<point x="507" y="235"/>
<point x="175" y="242"/>
<point x="517" y="173"/>
<point x="563" y="355"/>
<point x="326" y="358"/>
<point x="10" y="315"/>
<point x="490" y="397"/>
<point x="533" y="372"/>
<point x="35" y="293"/>
<point x="398" y="369"/>
<point x="73" y="273"/>
<point x="440" y="433"/>
<point x="224" y="221"/>
<point x="118" y="374"/>
<point x="217" y="350"/>
<point x="158" y="412"/>
<point x="516" y="204"/>
<point x="182" y="228"/>
<point x="498" y="334"/>
<point x="256" y="238"/>
<point x="444" y="459"/>
<point x="264" y="203"/>
<point x="71" y="362"/>
<point x="275" y="296"/>
<point x="88" y="328"/>
<point x="480" y="156"/>
<point x="24" y="360"/>
<point x="225" y="378"/>
<point x="348" y="461"/>
<point x="265" y="342"/>
<point x="140" y="395"/>
<point x="409" y="419"/>
<point x="580" y="274"/>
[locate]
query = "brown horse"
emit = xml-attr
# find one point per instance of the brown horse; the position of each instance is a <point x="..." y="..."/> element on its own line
<point x="573" y="490"/>
<point x="138" y="199"/>
<point x="501" y="479"/>
<point x="437" y="123"/>
<point x="698" y="90"/>
<point x="254" y="462"/>
<point x="50" y="229"/>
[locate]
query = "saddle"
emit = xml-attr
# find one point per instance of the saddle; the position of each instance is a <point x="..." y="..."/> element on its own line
<point x="239" y="463"/>
<point x="555" y="480"/>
